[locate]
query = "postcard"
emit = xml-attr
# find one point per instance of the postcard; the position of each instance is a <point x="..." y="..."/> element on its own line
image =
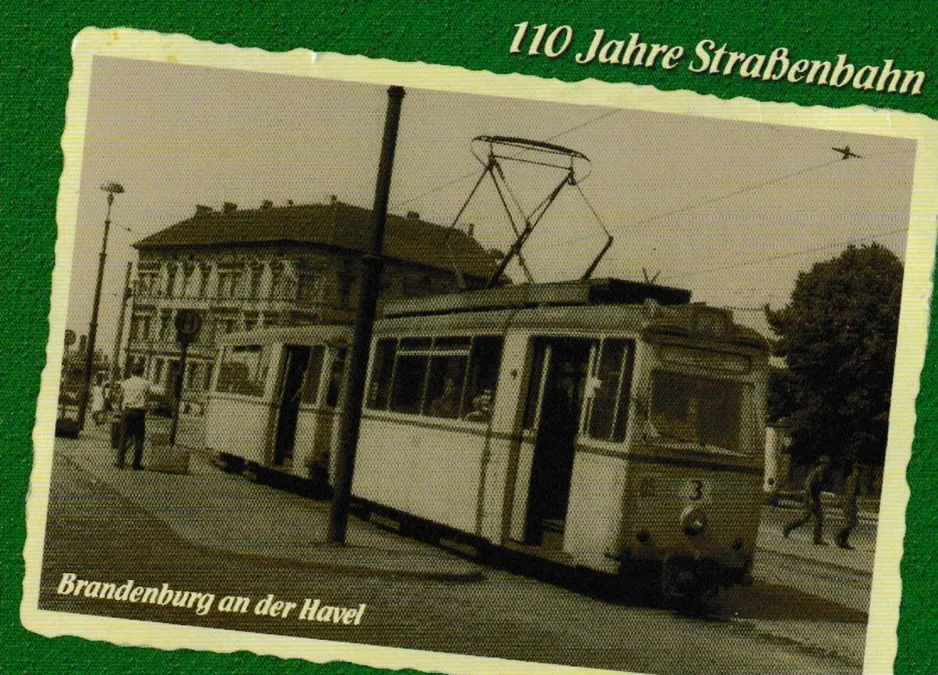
<point x="415" y="367"/>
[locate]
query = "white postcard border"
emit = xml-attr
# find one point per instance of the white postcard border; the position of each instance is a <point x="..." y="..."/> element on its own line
<point x="913" y="326"/>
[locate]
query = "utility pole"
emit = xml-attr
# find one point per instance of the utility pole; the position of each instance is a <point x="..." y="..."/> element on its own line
<point x="115" y="366"/>
<point x="111" y="189"/>
<point x="364" y="322"/>
<point x="188" y="325"/>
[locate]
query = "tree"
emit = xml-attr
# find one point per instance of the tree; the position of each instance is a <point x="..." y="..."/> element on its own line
<point x="838" y="335"/>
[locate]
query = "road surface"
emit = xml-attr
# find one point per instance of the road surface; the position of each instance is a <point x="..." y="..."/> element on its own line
<point x="802" y="616"/>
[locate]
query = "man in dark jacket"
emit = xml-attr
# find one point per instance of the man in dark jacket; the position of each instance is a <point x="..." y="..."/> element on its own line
<point x="812" y="502"/>
<point x="850" y="507"/>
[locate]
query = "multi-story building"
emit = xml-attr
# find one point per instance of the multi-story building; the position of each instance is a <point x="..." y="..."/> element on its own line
<point x="279" y="266"/>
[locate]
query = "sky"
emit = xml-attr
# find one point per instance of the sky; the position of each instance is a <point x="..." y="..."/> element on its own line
<point x="731" y="210"/>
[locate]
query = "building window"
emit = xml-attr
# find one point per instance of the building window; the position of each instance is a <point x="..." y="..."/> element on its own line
<point x="207" y="334"/>
<point x="229" y="284"/>
<point x="147" y="283"/>
<point x="166" y="323"/>
<point x="204" y="274"/>
<point x="309" y="291"/>
<point x="188" y="270"/>
<point x="276" y="280"/>
<point x="170" y="280"/>
<point x="223" y="289"/>
<point x="256" y="276"/>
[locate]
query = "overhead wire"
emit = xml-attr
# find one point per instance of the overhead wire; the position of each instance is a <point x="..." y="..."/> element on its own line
<point x="790" y="254"/>
<point x="463" y="177"/>
<point x="712" y="200"/>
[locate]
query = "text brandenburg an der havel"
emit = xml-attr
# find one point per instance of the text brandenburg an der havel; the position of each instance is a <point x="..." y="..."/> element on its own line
<point x="311" y="609"/>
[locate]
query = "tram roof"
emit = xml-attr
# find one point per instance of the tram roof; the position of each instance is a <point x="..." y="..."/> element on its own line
<point x="696" y="321"/>
<point x="312" y="334"/>
<point x="584" y="292"/>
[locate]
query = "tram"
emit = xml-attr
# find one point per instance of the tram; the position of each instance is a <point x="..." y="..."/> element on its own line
<point x="602" y="424"/>
<point x="275" y="401"/>
<point x="598" y="423"/>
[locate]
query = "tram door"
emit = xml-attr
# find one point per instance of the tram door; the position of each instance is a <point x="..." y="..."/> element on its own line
<point x="564" y="365"/>
<point x="289" y="403"/>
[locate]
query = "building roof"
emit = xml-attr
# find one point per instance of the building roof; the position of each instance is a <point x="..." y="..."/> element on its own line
<point x="337" y="225"/>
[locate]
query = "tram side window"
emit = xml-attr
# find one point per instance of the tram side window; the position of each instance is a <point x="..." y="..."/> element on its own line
<point x="447" y="378"/>
<point x="453" y="378"/>
<point x="409" y="376"/>
<point x="243" y="371"/>
<point x="610" y="404"/>
<point x="313" y="375"/>
<point x="336" y="377"/>
<point x="380" y="387"/>
<point x="484" y="365"/>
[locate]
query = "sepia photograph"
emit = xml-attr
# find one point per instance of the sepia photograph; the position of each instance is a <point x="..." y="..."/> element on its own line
<point x="472" y="372"/>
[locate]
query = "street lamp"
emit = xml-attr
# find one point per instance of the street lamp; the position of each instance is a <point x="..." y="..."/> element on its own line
<point x="111" y="189"/>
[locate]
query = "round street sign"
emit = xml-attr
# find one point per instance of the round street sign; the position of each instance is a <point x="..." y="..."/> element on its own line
<point x="188" y="325"/>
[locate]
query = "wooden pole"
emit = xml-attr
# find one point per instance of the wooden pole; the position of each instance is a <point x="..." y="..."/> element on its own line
<point x="364" y="322"/>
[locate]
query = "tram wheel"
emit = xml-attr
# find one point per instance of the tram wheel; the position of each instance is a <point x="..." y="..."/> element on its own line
<point x="686" y="584"/>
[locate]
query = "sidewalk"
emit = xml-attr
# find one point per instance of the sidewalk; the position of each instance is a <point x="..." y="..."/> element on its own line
<point x="799" y="543"/>
<point x="866" y="512"/>
<point x="226" y="512"/>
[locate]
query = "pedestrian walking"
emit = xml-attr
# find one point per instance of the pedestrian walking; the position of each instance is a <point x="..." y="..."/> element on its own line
<point x="97" y="401"/>
<point x="812" y="502"/>
<point x="849" y="503"/>
<point x="134" y="392"/>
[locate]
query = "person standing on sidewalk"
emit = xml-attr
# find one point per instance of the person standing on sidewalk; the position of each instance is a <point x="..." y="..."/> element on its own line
<point x="134" y="392"/>
<point x="851" y="486"/>
<point x="812" y="502"/>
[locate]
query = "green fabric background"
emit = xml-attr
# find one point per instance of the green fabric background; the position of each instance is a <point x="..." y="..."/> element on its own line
<point x="36" y="65"/>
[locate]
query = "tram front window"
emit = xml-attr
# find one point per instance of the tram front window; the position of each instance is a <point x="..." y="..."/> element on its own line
<point x="692" y="409"/>
<point x="243" y="370"/>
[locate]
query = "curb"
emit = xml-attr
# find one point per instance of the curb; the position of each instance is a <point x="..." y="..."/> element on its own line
<point x="789" y="505"/>
<point x="824" y="563"/>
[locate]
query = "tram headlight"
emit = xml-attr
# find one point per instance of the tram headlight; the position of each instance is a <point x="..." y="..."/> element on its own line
<point x="693" y="521"/>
